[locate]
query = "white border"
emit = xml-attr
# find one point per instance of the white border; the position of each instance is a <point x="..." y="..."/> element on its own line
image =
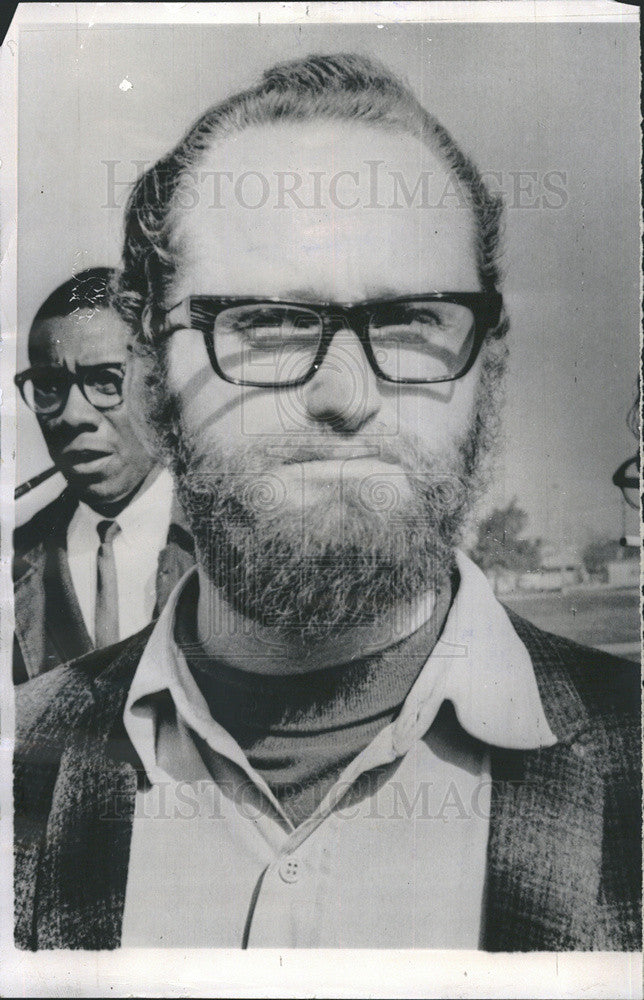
<point x="8" y="327"/>
<point x="267" y="973"/>
<point x="304" y="973"/>
<point x="324" y="12"/>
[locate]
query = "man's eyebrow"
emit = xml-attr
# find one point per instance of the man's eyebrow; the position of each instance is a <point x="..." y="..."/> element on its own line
<point x="100" y="364"/>
<point x="385" y="292"/>
<point x="303" y="295"/>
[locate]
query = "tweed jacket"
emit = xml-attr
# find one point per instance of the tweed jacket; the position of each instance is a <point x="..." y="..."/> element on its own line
<point x="564" y="847"/>
<point x="49" y="627"/>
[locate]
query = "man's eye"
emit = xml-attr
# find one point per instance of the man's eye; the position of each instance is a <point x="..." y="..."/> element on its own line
<point x="430" y="319"/>
<point x="263" y="330"/>
<point x="402" y="316"/>
<point x="442" y="323"/>
<point x="264" y="336"/>
<point x="108" y="384"/>
<point x="399" y="335"/>
<point x="278" y="337"/>
<point x="415" y="329"/>
<point x="47" y="386"/>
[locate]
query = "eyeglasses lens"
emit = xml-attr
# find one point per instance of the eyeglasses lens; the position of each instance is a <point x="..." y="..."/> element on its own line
<point x="266" y="344"/>
<point x="270" y="344"/>
<point x="425" y="341"/>
<point x="104" y="388"/>
<point x="46" y="392"/>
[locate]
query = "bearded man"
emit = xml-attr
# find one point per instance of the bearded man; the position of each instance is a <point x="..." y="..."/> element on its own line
<point x="334" y="735"/>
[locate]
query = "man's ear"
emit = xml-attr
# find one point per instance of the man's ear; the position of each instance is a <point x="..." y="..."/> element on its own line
<point x="135" y="393"/>
<point x="146" y="323"/>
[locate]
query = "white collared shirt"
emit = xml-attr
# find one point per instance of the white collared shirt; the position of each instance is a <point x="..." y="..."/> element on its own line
<point x="144" y="528"/>
<point x="398" y="861"/>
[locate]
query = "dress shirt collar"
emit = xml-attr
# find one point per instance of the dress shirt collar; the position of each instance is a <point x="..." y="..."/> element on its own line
<point x="149" y="509"/>
<point x="479" y="664"/>
<point x="85" y="521"/>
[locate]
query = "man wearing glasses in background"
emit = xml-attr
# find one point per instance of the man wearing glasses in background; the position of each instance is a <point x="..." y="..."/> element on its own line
<point x="86" y="567"/>
<point x="351" y="742"/>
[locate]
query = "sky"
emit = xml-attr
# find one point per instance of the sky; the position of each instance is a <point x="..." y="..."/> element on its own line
<point x="551" y="110"/>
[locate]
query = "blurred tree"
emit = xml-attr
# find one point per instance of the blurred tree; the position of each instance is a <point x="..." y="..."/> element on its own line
<point x="499" y="547"/>
<point x="601" y="551"/>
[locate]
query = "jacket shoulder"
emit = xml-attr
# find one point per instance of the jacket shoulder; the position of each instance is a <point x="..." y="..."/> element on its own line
<point x="37" y="529"/>
<point x="48" y="705"/>
<point x="70" y="710"/>
<point x="606" y="688"/>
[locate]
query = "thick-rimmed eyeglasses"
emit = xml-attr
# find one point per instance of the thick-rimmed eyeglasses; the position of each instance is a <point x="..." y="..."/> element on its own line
<point x="45" y="388"/>
<point x="415" y="339"/>
<point x="627" y="477"/>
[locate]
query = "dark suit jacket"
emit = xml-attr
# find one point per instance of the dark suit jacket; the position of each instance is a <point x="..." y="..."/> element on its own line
<point x="50" y="629"/>
<point x="564" y="849"/>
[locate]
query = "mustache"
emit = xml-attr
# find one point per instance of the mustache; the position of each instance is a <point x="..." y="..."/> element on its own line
<point x="289" y="455"/>
<point x="247" y="484"/>
<point x="398" y="450"/>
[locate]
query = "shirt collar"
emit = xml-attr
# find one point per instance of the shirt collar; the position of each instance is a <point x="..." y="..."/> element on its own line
<point x="149" y="509"/>
<point x="479" y="664"/>
<point x="163" y="667"/>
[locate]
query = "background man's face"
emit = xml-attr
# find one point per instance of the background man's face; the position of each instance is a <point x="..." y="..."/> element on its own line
<point x="327" y="254"/>
<point x="97" y="451"/>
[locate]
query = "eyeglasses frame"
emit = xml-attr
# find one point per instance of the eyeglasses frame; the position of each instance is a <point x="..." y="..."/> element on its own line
<point x="486" y="308"/>
<point x="625" y="482"/>
<point x="73" y="378"/>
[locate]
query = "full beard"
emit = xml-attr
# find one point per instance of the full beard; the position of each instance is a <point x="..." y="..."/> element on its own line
<point x="354" y="552"/>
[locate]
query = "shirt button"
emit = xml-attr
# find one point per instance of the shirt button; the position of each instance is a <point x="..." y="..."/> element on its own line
<point x="290" y="870"/>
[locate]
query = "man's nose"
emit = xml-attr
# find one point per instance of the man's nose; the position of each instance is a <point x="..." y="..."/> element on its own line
<point x="344" y="391"/>
<point x="78" y="411"/>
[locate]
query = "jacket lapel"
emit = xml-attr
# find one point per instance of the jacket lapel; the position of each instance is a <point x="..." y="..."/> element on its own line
<point x="65" y="623"/>
<point x="48" y="620"/>
<point x="544" y="851"/>
<point x="546" y="825"/>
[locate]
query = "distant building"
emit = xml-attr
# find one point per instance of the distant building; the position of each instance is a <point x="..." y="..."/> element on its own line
<point x="625" y="569"/>
<point x="504" y="581"/>
<point x="560" y="567"/>
<point x="623" y="573"/>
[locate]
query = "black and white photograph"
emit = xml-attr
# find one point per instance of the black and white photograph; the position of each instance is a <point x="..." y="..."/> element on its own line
<point x="320" y="520"/>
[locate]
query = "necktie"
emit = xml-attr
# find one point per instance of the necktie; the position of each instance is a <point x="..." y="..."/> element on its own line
<point x="106" y="619"/>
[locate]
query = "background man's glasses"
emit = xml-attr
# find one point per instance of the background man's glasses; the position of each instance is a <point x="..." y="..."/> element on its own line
<point x="273" y="343"/>
<point x="45" y="389"/>
<point x="627" y="477"/>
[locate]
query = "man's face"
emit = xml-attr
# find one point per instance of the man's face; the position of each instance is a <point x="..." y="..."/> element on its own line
<point x="97" y="451"/>
<point x="333" y="470"/>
